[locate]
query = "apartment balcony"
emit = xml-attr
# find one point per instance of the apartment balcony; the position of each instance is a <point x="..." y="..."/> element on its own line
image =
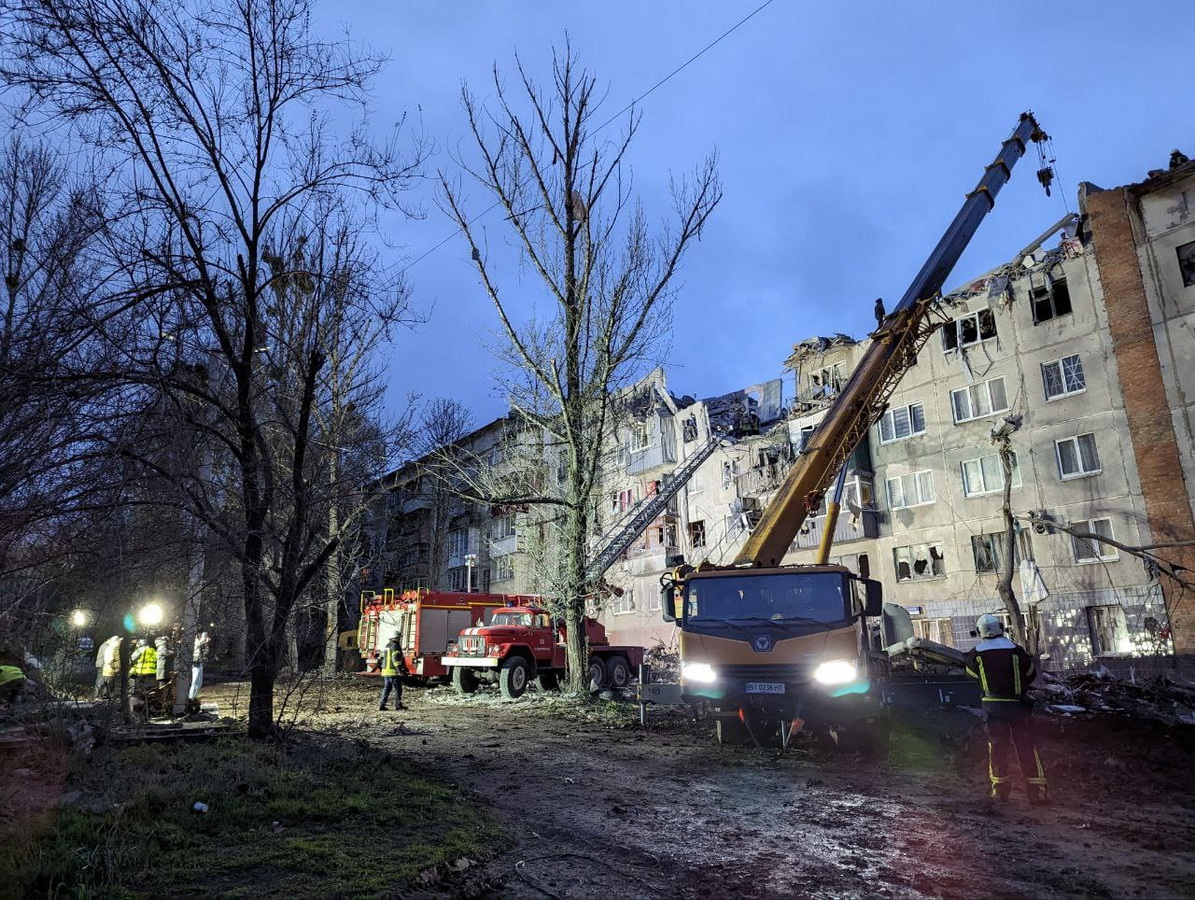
<point x="868" y="529"/>
<point x="640" y="461"/>
<point x="414" y="504"/>
<point x="759" y="480"/>
<point x="650" y="560"/>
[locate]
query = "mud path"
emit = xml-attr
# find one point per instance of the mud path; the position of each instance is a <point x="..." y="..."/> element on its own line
<point x="602" y="807"/>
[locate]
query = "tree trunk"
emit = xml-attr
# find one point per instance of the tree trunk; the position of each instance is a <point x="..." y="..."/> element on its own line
<point x="577" y="646"/>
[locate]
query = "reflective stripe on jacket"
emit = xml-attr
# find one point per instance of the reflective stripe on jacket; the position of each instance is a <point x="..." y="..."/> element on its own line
<point x="391" y="660"/>
<point x="1004" y="670"/>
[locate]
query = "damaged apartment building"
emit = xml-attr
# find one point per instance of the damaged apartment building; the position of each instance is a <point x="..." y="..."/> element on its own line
<point x="1081" y="347"/>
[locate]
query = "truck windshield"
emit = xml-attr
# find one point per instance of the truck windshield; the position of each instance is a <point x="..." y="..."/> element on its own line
<point x="522" y="619"/>
<point x="809" y="597"/>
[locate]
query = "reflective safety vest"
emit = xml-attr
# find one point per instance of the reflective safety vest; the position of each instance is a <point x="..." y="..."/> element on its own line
<point x="1004" y="670"/>
<point x="390" y="661"/>
<point x="10" y="673"/>
<point x="145" y="661"/>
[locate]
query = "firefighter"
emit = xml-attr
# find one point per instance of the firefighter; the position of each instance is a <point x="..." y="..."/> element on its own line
<point x="1005" y="672"/>
<point x="144" y="664"/>
<point x="12" y="682"/>
<point x="108" y="663"/>
<point x="392" y="666"/>
<point x="198" y="659"/>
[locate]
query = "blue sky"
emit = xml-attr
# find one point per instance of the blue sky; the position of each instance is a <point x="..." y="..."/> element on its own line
<point x="847" y="136"/>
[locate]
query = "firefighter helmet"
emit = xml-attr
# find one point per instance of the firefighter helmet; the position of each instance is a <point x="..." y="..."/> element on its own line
<point x="989" y="626"/>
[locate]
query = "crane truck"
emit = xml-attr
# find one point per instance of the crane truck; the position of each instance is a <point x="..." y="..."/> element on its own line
<point x="769" y="646"/>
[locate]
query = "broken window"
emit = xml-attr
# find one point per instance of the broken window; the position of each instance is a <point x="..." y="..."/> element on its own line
<point x="1109" y="634"/>
<point x="901" y="422"/>
<point x="1090" y="550"/>
<point x="919" y="561"/>
<point x="940" y="631"/>
<point x="1077" y="456"/>
<point x="1050" y="300"/>
<point x="1063" y="377"/>
<point x="728" y="468"/>
<point x="986" y="476"/>
<point x="697" y="533"/>
<point x="915" y="489"/>
<point x="967" y="330"/>
<point x="978" y="400"/>
<point x="806" y="434"/>
<point x="1186" y="263"/>
<point x="690" y="429"/>
<point x="988" y="550"/>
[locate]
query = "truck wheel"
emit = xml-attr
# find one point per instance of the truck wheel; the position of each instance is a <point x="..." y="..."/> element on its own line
<point x="618" y="671"/>
<point x="597" y="675"/>
<point x="513" y="678"/>
<point x="549" y="681"/>
<point x="464" y="680"/>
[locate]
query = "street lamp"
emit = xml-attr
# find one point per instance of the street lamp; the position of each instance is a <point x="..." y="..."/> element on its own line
<point x="151" y="615"/>
<point x="470" y="562"/>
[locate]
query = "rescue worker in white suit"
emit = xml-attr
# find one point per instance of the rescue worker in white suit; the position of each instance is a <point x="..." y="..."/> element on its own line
<point x="1005" y="672"/>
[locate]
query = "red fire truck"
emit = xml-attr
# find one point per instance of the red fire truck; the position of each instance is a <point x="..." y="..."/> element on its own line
<point x="425" y="621"/>
<point x="522" y="641"/>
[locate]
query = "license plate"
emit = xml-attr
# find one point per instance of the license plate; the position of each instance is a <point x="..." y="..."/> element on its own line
<point x="765" y="687"/>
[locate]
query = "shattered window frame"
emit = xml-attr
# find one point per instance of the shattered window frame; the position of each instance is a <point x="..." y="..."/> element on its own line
<point x="1186" y="263"/>
<point x="696" y="529"/>
<point x="638" y="437"/>
<point x="984" y="475"/>
<point x="974" y="396"/>
<point x="1050" y="301"/>
<point x="939" y="629"/>
<point x="1086" y="550"/>
<point x="1109" y="631"/>
<point x="929" y="557"/>
<point x="1079" y="454"/>
<point x="1063" y="377"/>
<point x="899" y="423"/>
<point x="988" y="552"/>
<point x="966" y="331"/>
<point x="917" y="487"/>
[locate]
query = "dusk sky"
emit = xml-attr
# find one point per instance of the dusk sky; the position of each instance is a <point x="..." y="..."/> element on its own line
<point x="847" y="135"/>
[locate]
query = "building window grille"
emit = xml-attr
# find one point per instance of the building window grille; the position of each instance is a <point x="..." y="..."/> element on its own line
<point x="1063" y="377"/>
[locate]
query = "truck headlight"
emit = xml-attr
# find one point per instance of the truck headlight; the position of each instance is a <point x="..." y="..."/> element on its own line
<point x="837" y="671"/>
<point x="702" y="673"/>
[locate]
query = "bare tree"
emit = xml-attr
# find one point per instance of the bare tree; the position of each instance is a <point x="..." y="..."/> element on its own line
<point x="564" y="192"/>
<point x="208" y="119"/>
<point x="1008" y="552"/>
<point x="442" y="424"/>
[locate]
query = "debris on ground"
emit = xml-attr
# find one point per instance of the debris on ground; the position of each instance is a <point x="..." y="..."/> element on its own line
<point x="1159" y="698"/>
<point x="664" y="663"/>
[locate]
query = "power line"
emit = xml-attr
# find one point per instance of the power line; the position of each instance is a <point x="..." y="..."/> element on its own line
<point x="692" y="59"/>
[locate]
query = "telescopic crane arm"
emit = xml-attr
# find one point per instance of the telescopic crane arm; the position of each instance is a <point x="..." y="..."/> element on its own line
<point x="893" y="351"/>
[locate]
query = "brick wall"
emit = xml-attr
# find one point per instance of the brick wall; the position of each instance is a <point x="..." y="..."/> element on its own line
<point x="1151" y="428"/>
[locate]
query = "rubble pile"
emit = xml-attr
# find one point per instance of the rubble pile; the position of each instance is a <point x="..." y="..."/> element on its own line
<point x="1158" y="698"/>
<point x="664" y="663"/>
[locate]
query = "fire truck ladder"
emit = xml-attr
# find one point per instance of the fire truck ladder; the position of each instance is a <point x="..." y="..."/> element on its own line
<point x="646" y="511"/>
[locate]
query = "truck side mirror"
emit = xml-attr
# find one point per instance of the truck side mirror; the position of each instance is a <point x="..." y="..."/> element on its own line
<point x="668" y="602"/>
<point x="873" y="602"/>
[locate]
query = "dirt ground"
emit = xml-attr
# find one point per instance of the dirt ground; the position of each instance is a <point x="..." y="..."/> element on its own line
<point x="594" y="804"/>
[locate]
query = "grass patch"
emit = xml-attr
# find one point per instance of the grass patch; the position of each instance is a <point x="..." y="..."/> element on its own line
<point x="311" y="819"/>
